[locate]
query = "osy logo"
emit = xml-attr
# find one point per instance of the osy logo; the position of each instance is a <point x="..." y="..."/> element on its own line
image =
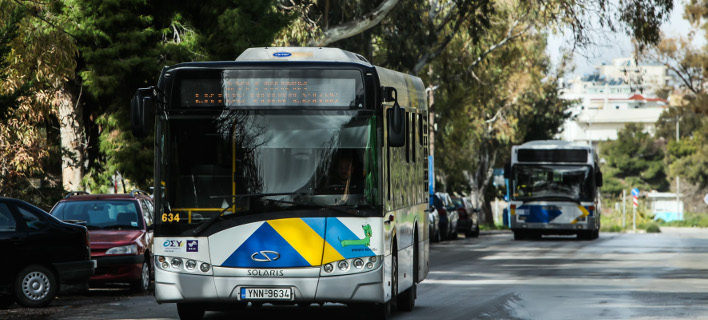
<point x="173" y="243"/>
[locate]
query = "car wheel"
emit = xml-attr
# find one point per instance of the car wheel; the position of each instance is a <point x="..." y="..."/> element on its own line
<point x="443" y="233"/>
<point x="190" y="311"/>
<point x="453" y="233"/>
<point x="35" y="286"/>
<point x="475" y="233"/>
<point x="142" y="284"/>
<point x="6" y="301"/>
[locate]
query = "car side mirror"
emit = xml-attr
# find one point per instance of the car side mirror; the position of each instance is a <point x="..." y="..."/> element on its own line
<point x="396" y="118"/>
<point x="142" y="112"/>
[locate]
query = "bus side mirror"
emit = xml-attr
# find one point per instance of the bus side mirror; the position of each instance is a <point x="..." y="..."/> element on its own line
<point x="598" y="179"/>
<point x="142" y="112"/>
<point x="507" y="170"/>
<point x="396" y="119"/>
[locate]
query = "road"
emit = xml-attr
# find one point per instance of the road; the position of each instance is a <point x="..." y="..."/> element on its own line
<point x="619" y="276"/>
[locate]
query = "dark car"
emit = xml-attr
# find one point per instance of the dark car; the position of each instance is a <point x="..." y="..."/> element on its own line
<point x="468" y="222"/>
<point x="433" y="224"/>
<point x="121" y="227"/>
<point x="448" y="215"/>
<point x="42" y="256"/>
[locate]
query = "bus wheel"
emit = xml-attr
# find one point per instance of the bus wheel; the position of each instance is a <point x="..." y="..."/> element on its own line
<point x="406" y="300"/>
<point x="519" y="235"/>
<point x="190" y="311"/>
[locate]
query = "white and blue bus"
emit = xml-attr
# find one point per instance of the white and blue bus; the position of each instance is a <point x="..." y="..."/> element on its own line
<point x="289" y="176"/>
<point x="554" y="190"/>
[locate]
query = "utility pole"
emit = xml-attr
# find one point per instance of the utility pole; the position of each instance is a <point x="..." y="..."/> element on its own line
<point x="678" y="196"/>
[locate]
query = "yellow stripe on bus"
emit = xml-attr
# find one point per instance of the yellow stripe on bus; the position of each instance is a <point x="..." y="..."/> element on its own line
<point x="585" y="214"/>
<point x="301" y="237"/>
<point x="331" y="254"/>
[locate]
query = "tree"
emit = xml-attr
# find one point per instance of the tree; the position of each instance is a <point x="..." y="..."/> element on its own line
<point x="39" y="62"/>
<point x="123" y="44"/>
<point x="687" y="157"/>
<point x="634" y="160"/>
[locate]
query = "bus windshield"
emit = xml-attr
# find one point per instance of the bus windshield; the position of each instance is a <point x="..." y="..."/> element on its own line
<point x="250" y="162"/>
<point x="553" y="182"/>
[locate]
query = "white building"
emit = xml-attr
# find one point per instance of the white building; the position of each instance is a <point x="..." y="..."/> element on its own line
<point x="617" y="94"/>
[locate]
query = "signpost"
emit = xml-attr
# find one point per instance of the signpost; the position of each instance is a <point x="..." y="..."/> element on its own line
<point x="635" y="201"/>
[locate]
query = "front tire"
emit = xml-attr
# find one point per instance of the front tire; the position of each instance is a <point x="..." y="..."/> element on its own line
<point x="406" y="300"/>
<point x="190" y="311"/>
<point x="35" y="286"/>
<point x="142" y="284"/>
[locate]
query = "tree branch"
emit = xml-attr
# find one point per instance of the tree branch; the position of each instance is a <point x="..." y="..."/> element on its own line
<point x="355" y="27"/>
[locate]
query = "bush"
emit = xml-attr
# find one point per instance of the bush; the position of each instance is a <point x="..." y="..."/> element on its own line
<point x="653" y="228"/>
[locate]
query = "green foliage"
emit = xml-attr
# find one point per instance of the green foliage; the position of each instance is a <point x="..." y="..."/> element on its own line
<point x="634" y="160"/>
<point x="9" y="31"/>
<point x="652" y="228"/>
<point x="125" y="43"/>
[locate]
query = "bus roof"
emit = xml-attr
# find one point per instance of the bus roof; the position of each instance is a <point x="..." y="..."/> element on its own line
<point x="309" y="54"/>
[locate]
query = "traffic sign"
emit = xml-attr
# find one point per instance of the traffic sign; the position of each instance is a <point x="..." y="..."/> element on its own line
<point x="635" y="194"/>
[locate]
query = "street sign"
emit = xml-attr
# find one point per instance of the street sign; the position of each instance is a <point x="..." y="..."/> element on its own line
<point x="635" y="194"/>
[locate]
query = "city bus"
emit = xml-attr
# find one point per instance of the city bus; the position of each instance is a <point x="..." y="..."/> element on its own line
<point x="554" y="190"/>
<point x="288" y="176"/>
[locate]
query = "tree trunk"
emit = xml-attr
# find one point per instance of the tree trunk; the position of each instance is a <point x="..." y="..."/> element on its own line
<point x="73" y="140"/>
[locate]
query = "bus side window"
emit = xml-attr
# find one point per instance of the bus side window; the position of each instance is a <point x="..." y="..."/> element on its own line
<point x="414" y="128"/>
<point x="408" y="136"/>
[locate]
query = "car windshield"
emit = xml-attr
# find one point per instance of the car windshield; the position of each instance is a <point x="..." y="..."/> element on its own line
<point x="102" y="214"/>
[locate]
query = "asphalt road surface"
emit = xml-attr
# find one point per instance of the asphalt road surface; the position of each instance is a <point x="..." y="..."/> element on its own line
<point x="619" y="276"/>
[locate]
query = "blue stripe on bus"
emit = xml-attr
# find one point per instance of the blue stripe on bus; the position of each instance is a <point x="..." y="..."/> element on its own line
<point x="265" y="237"/>
<point x="540" y="214"/>
<point x="337" y="231"/>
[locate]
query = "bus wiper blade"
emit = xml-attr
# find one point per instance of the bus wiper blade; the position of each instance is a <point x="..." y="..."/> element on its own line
<point x="312" y="204"/>
<point x="235" y="198"/>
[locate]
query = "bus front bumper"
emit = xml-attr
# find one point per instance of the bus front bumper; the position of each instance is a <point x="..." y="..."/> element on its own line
<point x="354" y="288"/>
<point x="556" y="228"/>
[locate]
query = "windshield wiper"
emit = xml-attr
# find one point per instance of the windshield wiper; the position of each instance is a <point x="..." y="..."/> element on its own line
<point x="235" y="198"/>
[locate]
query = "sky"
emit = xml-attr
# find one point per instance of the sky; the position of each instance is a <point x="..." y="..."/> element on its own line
<point x="614" y="45"/>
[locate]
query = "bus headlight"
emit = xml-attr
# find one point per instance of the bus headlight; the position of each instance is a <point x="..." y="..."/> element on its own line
<point x="363" y="264"/>
<point x="177" y="264"/>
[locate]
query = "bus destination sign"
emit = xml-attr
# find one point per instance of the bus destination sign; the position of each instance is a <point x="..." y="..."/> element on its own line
<point x="268" y="92"/>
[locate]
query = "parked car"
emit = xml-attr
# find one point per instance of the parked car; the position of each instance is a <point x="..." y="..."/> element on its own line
<point x="433" y="224"/>
<point x="448" y="215"/>
<point x="468" y="222"/>
<point x="42" y="256"/>
<point x="121" y="229"/>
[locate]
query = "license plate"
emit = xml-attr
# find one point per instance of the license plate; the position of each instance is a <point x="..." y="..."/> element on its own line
<point x="266" y="293"/>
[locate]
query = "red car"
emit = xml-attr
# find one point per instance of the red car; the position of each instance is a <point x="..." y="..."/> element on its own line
<point x="120" y="228"/>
